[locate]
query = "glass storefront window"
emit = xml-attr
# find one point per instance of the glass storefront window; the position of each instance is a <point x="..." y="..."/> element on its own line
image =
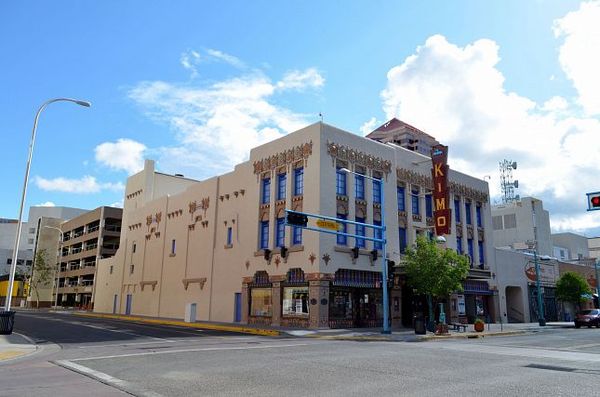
<point x="261" y="302"/>
<point x="295" y="301"/>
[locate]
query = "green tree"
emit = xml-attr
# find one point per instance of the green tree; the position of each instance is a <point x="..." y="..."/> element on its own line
<point x="571" y="287"/>
<point x="435" y="272"/>
<point x="41" y="274"/>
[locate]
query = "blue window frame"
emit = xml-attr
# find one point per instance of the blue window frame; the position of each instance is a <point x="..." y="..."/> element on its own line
<point x="280" y="233"/>
<point x="281" y="179"/>
<point x="229" y="236"/>
<point x="468" y="213"/>
<point x="429" y="205"/>
<point x="299" y="181"/>
<point x="415" y="201"/>
<point x="481" y="257"/>
<point x="340" y="182"/>
<point x="264" y="234"/>
<point x="377" y="192"/>
<point x="459" y="247"/>
<point x="296" y="235"/>
<point x="402" y="239"/>
<point x="377" y="234"/>
<point x="478" y="215"/>
<point x="342" y="240"/>
<point x="401" y="198"/>
<point x="359" y="187"/>
<point x="470" y="247"/>
<point x="360" y="231"/>
<point x="266" y="190"/>
<point x="457" y="210"/>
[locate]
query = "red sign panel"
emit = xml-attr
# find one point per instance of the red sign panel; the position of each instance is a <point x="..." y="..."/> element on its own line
<point x="441" y="204"/>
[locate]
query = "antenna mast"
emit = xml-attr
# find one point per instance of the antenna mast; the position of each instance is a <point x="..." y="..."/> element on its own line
<point x="507" y="184"/>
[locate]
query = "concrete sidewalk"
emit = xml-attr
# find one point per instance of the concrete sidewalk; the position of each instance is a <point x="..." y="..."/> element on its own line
<point x="408" y="334"/>
<point x="15" y="346"/>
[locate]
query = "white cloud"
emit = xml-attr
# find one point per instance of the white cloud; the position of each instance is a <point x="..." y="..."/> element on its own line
<point x="230" y="59"/>
<point x="579" y="53"/>
<point x="216" y="126"/>
<point x="47" y="204"/>
<point x="301" y="79"/>
<point x="189" y="60"/>
<point x="368" y="126"/>
<point x="117" y="204"/>
<point x="85" y="185"/>
<point x="457" y="94"/>
<point x="124" y="154"/>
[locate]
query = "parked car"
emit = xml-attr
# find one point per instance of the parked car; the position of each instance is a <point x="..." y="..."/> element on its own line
<point x="588" y="317"/>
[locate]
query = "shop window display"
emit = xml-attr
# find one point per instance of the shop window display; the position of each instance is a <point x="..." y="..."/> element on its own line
<point x="295" y="301"/>
<point x="261" y="303"/>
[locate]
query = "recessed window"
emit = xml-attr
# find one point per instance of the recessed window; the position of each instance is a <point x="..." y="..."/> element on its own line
<point x="342" y="240"/>
<point x="131" y="268"/>
<point x="468" y="212"/>
<point x="281" y="181"/>
<point x="377" y="234"/>
<point x="296" y="235"/>
<point x="359" y="187"/>
<point x="428" y="205"/>
<point x="401" y="198"/>
<point x="457" y="210"/>
<point x="360" y="231"/>
<point x="133" y="247"/>
<point x="266" y="190"/>
<point x="264" y="235"/>
<point x="298" y="181"/>
<point x="340" y="182"/>
<point x="416" y="208"/>
<point x="173" y="247"/>
<point x="280" y="232"/>
<point x="377" y="192"/>
<point x="110" y="270"/>
<point x="402" y="239"/>
<point x="229" y="236"/>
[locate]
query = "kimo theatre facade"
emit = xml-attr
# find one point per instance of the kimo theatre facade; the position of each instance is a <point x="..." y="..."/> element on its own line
<point x="221" y="244"/>
<point x="310" y="279"/>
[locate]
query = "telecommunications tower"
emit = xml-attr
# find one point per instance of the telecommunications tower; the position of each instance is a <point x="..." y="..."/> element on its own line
<point x="507" y="184"/>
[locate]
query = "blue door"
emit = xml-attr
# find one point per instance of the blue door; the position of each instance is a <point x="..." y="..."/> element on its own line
<point x="128" y="304"/>
<point x="238" y="307"/>
<point x="115" y="304"/>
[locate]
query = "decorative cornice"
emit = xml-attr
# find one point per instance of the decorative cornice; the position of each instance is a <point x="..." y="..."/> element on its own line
<point x="355" y="156"/>
<point x="414" y="178"/>
<point x="289" y="156"/>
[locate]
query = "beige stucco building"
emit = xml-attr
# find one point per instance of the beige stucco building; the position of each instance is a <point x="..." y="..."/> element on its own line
<point x="218" y="250"/>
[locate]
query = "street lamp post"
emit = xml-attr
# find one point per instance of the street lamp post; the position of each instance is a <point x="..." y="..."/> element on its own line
<point x="596" y="264"/>
<point x="541" y="319"/>
<point x="13" y="267"/>
<point x="58" y="261"/>
<point x="384" y="275"/>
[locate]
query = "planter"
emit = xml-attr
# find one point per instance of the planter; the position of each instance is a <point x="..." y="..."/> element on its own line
<point x="441" y="329"/>
<point x="479" y="326"/>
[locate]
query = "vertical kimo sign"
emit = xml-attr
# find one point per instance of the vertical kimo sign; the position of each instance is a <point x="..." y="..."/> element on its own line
<point x="441" y="203"/>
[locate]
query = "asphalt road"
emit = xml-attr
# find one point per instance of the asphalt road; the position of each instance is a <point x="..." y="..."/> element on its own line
<point x="107" y="357"/>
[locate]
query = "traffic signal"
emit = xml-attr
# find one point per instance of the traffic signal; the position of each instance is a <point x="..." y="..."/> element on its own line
<point x="355" y="252"/>
<point x="374" y="255"/>
<point x="593" y="201"/>
<point x="390" y="269"/>
<point x="297" y="219"/>
<point x="267" y="254"/>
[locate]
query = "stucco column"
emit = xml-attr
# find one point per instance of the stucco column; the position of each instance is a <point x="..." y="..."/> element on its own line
<point x="245" y="303"/>
<point x="318" y="297"/>
<point x="276" y="301"/>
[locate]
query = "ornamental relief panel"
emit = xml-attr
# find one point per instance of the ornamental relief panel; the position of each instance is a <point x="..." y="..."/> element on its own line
<point x="414" y="178"/>
<point x="357" y="157"/>
<point x="282" y="159"/>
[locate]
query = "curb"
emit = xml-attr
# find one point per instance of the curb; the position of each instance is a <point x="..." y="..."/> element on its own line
<point x="9" y="354"/>
<point x="198" y="325"/>
<point x="414" y="338"/>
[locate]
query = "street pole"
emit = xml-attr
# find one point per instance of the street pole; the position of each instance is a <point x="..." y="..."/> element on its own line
<point x="541" y="319"/>
<point x="13" y="266"/>
<point x="384" y="275"/>
<point x="597" y="279"/>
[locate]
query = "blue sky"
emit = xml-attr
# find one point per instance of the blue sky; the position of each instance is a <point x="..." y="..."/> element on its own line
<point x="195" y="84"/>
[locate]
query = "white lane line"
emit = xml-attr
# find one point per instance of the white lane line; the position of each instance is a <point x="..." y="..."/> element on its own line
<point x="124" y="344"/>
<point x="126" y="332"/>
<point x="106" y="379"/>
<point x="204" y="349"/>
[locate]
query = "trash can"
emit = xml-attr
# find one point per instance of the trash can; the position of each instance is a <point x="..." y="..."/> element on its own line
<point x="420" y="324"/>
<point x="7" y="320"/>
